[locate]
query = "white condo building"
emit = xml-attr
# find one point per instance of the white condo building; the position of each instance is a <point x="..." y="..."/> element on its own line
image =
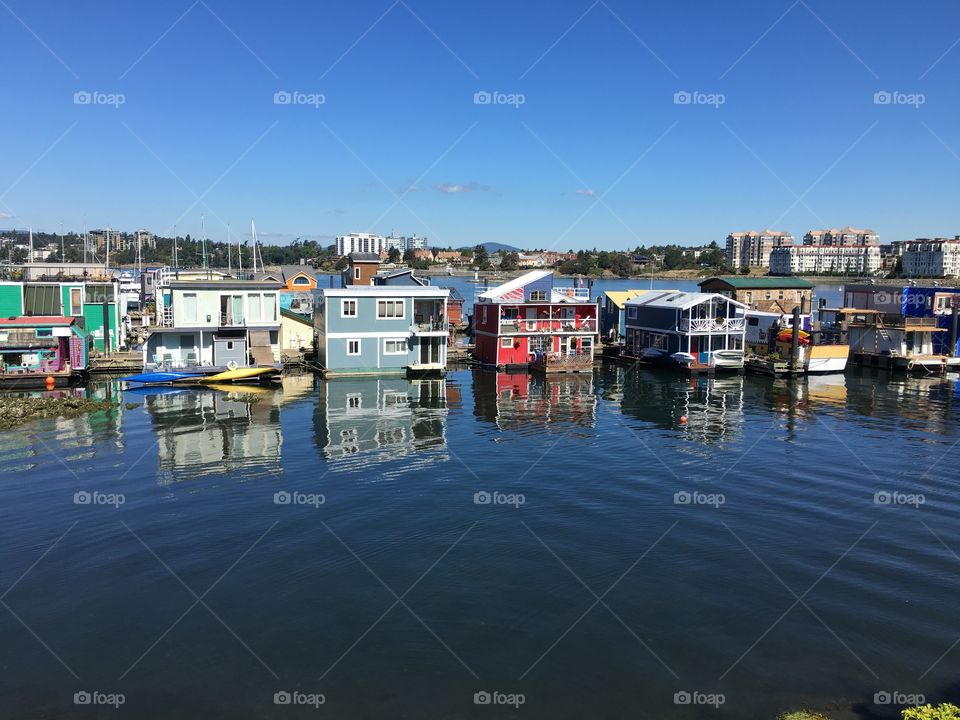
<point x="829" y="259"/>
<point x="939" y="257"/>
<point x="361" y="243"/>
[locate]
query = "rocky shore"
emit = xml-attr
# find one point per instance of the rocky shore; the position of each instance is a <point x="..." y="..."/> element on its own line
<point x="16" y="411"/>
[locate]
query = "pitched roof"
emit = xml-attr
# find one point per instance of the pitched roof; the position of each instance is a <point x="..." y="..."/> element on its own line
<point x="620" y="297"/>
<point x="681" y="300"/>
<point x="296" y="316"/>
<point x="364" y="257"/>
<point x="291" y="271"/>
<point x="748" y="283"/>
<point x="515" y="284"/>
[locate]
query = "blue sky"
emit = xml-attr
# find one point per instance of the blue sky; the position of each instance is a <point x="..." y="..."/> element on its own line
<point x="782" y="129"/>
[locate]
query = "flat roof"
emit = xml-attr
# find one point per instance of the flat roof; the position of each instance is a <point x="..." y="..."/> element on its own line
<point x="749" y="283"/>
<point x="387" y="291"/>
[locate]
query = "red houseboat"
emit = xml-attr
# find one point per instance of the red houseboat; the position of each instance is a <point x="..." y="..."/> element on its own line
<point x="529" y="323"/>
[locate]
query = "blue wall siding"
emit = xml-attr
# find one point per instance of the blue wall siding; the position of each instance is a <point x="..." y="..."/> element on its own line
<point x="366" y="320"/>
<point x="545" y="284"/>
<point x="665" y="318"/>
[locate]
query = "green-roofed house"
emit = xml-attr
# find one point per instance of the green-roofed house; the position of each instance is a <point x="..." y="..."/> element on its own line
<point x="764" y="294"/>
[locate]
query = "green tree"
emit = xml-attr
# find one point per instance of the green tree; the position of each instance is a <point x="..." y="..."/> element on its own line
<point x="481" y="258"/>
<point x="509" y="261"/>
<point x="394" y="255"/>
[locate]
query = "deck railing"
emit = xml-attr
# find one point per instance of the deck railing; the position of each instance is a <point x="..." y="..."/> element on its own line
<point x="521" y="326"/>
<point x="562" y="360"/>
<point x="712" y="324"/>
<point x="435" y="326"/>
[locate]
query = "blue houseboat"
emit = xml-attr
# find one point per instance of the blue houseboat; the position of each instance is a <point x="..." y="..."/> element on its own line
<point x="375" y="330"/>
<point x="688" y="329"/>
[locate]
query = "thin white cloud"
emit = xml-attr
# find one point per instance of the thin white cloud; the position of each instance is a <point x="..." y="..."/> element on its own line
<point x="587" y="192"/>
<point x="451" y="188"/>
<point x="5" y="216"/>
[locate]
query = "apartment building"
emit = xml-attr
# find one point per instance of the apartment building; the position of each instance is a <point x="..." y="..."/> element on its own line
<point x="939" y="257"/>
<point x="843" y="237"/>
<point x="753" y="248"/>
<point x="825" y="259"/>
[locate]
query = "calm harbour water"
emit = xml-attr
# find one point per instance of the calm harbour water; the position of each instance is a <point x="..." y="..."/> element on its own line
<point x="384" y="586"/>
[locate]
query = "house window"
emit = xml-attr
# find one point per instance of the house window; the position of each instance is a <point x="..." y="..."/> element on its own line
<point x="390" y="309"/>
<point x="753" y="321"/>
<point x="632" y="313"/>
<point x="484" y="315"/>
<point x="356" y="273"/>
<point x="301" y="280"/>
<point x="98" y="294"/>
<point x="538" y="296"/>
<point x="254" y="303"/>
<point x="43" y="332"/>
<point x="354" y="402"/>
<point x="76" y="301"/>
<point x="190" y="307"/>
<point x="506" y="342"/>
<point x="270" y="307"/>
<point x="748" y="296"/>
<point x="353" y="347"/>
<point x="41" y="300"/>
<point x="348" y="308"/>
<point x="394" y="347"/>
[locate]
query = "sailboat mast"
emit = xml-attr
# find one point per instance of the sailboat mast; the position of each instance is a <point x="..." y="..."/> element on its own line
<point x="253" y="235"/>
<point x="229" y="264"/>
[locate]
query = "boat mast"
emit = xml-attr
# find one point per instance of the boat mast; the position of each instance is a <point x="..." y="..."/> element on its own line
<point x="203" y="243"/>
<point x="62" y="258"/>
<point x="253" y="235"/>
<point x="229" y="264"/>
<point x="239" y="259"/>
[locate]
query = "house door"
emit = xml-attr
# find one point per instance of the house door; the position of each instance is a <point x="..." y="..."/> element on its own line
<point x="425" y="351"/>
<point x="226" y="350"/>
<point x="694" y="345"/>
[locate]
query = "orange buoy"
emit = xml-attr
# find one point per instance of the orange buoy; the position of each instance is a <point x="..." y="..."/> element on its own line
<point x="683" y="419"/>
<point x="50" y="382"/>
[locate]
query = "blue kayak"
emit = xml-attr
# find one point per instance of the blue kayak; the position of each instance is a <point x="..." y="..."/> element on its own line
<point x="160" y="378"/>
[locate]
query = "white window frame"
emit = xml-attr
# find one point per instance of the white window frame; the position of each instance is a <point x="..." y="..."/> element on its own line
<point x="538" y="296"/>
<point x="343" y="308"/>
<point x="359" y="347"/>
<point x="401" y="341"/>
<point x="403" y="309"/>
<point x="356" y="273"/>
<point x="506" y="342"/>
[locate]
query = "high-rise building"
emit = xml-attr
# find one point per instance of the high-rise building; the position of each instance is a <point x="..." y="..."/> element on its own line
<point x="752" y="248"/>
<point x="825" y="259"/>
<point x="844" y="237"/>
<point x="361" y="243"/>
<point x="939" y="257"/>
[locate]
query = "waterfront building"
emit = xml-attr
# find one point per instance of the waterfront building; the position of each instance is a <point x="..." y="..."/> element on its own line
<point x="361" y="243"/>
<point x="96" y="302"/>
<point x="215" y="322"/>
<point x="764" y="294"/>
<point x="299" y="282"/>
<point x="33" y="349"/>
<point x="296" y="331"/>
<point x="752" y="248"/>
<point x="403" y="243"/>
<point x="613" y="305"/>
<point x="361" y="268"/>
<point x="843" y="237"/>
<point x="368" y="329"/>
<point x="938" y="258"/>
<point x="687" y="329"/>
<point x="528" y="320"/>
<point x="825" y="259"/>
<point x="400" y="277"/>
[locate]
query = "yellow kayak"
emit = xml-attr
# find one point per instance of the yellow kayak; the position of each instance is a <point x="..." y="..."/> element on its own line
<point x="240" y="375"/>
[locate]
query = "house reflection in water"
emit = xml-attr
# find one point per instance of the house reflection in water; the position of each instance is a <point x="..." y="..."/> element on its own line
<point x="713" y="407"/>
<point x="514" y="401"/>
<point x="367" y="421"/>
<point x="212" y="431"/>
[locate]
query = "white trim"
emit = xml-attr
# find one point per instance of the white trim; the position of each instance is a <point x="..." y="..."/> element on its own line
<point x="359" y="347"/>
<point x="356" y="308"/>
<point x="387" y="291"/>
<point x="405" y="350"/>
<point x="342" y="335"/>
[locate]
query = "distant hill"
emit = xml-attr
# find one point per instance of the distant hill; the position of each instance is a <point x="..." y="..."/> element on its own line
<point x="495" y="247"/>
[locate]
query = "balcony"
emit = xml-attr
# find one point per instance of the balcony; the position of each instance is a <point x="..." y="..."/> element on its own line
<point x="435" y="327"/>
<point x="712" y="325"/>
<point x="534" y="327"/>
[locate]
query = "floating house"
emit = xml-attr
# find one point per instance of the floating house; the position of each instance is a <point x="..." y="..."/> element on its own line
<point x="764" y="294"/>
<point x="33" y="349"/>
<point x="296" y="295"/>
<point x="214" y="323"/>
<point x="529" y="323"/>
<point x="95" y="302"/>
<point x="695" y="330"/>
<point x="367" y="329"/>
<point x="769" y="338"/>
<point x="296" y="331"/>
<point x="613" y="305"/>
